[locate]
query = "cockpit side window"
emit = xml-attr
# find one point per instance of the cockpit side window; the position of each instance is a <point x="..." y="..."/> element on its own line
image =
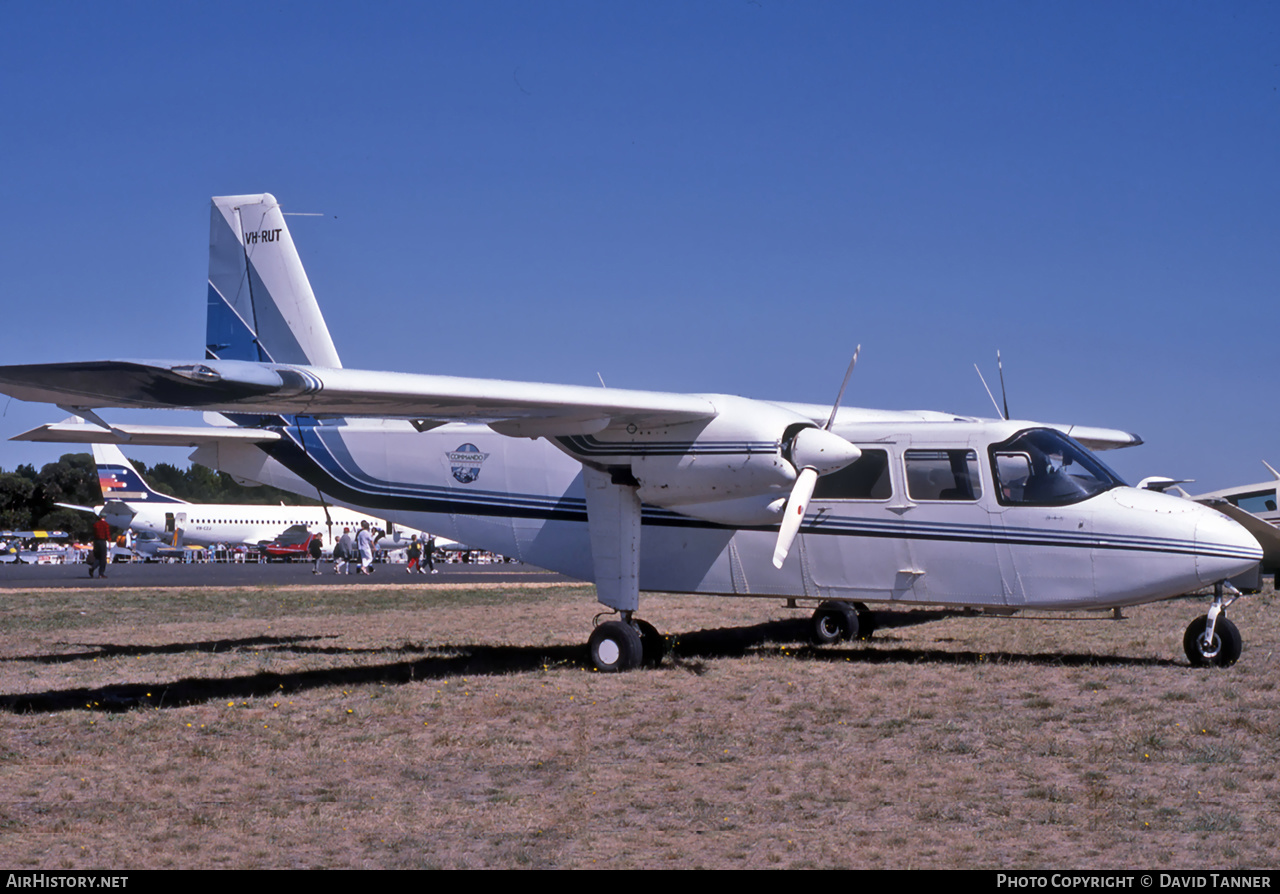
<point x="943" y="475"/>
<point x="866" y="479"/>
<point x="1042" y="467"/>
<point x="1258" y="501"/>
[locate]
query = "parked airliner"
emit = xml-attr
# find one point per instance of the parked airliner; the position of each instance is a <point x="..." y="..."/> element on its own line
<point x="130" y="503"/>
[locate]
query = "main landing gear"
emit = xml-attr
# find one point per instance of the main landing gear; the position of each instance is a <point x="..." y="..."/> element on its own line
<point x="626" y="644"/>
<point x="1212" y="640"/>
<point x="836" y="621"/>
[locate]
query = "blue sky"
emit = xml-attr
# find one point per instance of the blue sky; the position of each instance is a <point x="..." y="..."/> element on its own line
<point x="710" y="196"/>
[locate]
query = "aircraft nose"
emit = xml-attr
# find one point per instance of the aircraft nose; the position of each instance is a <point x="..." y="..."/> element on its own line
<point x="1223" y="547"/>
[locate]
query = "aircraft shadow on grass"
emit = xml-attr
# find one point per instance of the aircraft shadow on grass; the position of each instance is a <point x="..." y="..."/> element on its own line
<point x="688" y="652"/>
<point x="94" y="651"/>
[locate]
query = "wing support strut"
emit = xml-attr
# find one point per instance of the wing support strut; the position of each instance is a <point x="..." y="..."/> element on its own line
<point x="613" y="519"/>
<point x="87" y="413"/>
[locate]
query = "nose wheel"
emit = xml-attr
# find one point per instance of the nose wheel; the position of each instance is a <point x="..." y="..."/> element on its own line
<point x="1222" y="649"/>
<point x="1212" y="640"/>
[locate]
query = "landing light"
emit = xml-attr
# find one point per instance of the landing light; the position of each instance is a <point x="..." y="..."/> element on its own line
<point x="197" y="371"/>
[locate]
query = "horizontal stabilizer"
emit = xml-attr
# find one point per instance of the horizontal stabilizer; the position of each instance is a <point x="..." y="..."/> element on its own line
<point x="142" y="435"/>
<point x="92" y="510"/>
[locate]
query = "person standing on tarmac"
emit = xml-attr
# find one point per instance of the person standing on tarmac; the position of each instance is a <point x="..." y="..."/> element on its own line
<point x="313" y="548"/>
<point x="343" y="553"/>
<point x="101" y="548"/>
<point x="414" y="554"/>
<point x="364" y="543"/>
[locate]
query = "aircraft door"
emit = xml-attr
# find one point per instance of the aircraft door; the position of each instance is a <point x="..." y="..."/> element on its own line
<point x="1049" y="555"/>
<point x="1010" y="582"/>
<point x="1046" y="552"/>
<point x="949" y="526"/>
<point x="852" y="542"/>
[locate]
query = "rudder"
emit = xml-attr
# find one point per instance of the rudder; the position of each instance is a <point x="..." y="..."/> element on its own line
<point x="260" y="303"/>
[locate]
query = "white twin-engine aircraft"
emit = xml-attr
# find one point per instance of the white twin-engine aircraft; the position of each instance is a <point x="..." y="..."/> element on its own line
<point x="685" y="493"/>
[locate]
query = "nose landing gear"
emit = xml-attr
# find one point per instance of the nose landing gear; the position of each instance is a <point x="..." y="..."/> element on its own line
<point x="1212" y="640"/>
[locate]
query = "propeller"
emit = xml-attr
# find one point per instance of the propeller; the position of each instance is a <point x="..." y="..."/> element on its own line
<point x="813" y="452"/>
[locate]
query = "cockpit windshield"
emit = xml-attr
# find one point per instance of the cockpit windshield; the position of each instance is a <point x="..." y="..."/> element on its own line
<point x="1043" y="467"/>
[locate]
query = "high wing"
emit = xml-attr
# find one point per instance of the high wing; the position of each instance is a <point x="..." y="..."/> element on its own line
<point x="519" y="409"/>
<point x="513" y="408"/>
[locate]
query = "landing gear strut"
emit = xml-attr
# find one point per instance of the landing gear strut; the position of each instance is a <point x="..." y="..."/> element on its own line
<point x="1212" y="639"/>
<point x="613" y="522"/>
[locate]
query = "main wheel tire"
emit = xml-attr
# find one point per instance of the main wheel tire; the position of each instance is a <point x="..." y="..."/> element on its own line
<point x="615" y="646"/>
<point x="653" y="645"/>
<point x="1225" y="649"/>
<point x="833" y="622"/>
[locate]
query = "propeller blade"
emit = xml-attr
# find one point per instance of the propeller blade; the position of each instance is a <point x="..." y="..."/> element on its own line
<point x="797" y="503"/>
<point x="835" y="408"/>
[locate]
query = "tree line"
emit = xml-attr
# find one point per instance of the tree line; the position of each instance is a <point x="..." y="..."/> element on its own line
<point x="28" y="499"/>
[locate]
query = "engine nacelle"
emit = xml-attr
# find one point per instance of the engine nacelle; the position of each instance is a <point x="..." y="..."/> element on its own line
<point x="737" y="454"/>
<point x="744" y="512"/>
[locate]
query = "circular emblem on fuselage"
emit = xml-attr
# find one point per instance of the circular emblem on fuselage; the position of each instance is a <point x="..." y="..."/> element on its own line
<point x="465" y="463"/>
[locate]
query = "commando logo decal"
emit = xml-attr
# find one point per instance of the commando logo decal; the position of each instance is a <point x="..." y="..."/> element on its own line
<point x="465" y="463"/>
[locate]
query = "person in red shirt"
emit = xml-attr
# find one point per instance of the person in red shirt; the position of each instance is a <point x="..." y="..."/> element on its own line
<point x="101" y="534"/>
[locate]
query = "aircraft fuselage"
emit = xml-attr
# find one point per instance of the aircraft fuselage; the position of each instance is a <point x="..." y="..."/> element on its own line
<point x="930" y="515"/>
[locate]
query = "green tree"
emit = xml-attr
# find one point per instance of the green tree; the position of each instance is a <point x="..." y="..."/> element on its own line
<point x="16" y="495"/>
<point x="79" y="525"/>
<point x="72" y="479"/>
<point x="198" y="484"/>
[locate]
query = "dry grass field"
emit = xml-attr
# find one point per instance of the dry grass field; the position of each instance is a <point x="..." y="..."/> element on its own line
<point x="423" y="726"/>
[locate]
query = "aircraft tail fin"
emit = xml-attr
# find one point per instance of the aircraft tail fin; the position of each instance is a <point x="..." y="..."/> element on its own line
<point x="120" y="481"/>
<point x="261" y="306"/>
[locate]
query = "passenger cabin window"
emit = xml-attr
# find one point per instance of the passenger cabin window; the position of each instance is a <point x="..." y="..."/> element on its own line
<point x="866" y="479"/>
<point x="943" y="475"/>
<point x="1042" y="467"/>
